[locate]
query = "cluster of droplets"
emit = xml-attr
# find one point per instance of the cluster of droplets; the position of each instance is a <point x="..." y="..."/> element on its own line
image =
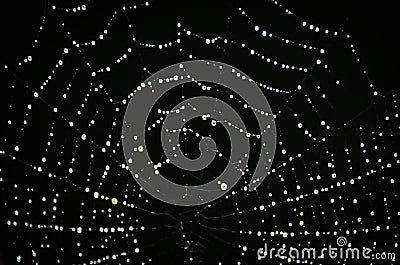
<point x="325" y="180"/>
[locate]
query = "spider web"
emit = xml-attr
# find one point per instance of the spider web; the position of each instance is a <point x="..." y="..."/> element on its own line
<point x="67" y="195"/>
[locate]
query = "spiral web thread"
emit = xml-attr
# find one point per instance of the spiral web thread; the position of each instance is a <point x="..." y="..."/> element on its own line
<point x="322" y="189"/>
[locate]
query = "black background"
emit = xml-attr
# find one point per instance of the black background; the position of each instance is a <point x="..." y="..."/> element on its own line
<point x="178" y="235"/>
